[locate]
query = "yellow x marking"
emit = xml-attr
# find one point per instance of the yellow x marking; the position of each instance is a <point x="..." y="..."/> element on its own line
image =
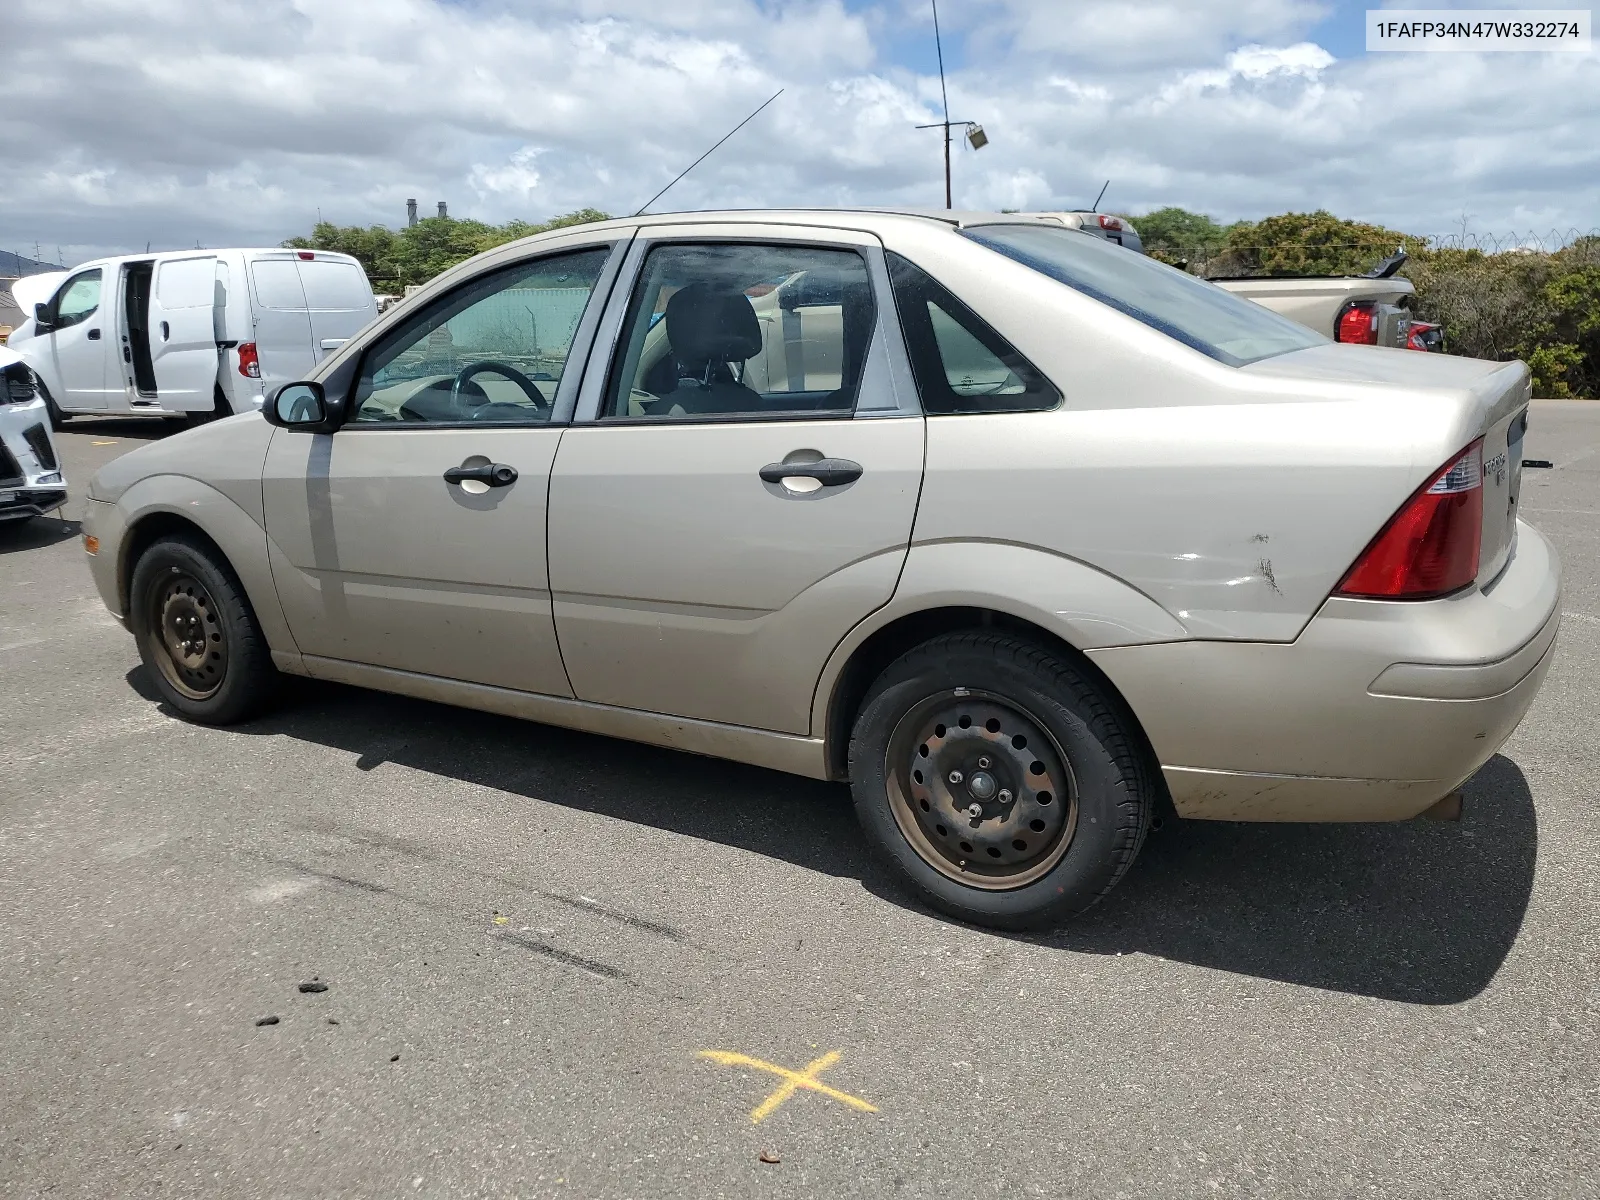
<point x="793" y="1081"/>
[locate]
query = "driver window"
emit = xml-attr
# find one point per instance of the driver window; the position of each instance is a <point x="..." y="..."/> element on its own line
<point x="78" y="300"/>
<point x="491" y="351"/>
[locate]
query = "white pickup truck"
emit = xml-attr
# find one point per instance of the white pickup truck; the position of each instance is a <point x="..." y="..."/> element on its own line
<point x="1371" y="310"/>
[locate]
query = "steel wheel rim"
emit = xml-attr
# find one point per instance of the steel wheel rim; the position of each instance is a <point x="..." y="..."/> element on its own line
<point x="974" y="804"/>
<point x="187" y="640"/>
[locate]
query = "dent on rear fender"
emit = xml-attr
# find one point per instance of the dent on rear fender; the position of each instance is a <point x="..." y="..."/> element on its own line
<point x="237" y="534"/>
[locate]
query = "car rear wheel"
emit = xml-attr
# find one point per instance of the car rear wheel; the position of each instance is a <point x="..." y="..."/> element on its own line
<point x="999" y="781"/>
<point x="197" y="633"/>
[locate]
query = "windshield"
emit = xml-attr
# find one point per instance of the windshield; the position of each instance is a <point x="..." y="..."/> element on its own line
<point x="1201" y="315"/>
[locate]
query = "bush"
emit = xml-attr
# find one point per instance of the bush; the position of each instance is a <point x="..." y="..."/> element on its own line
<point x="1543" y="308"/>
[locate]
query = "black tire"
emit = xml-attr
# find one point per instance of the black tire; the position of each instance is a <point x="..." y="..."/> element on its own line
<point x="57" y="417"/>
<point x="183" y="588"/>
<point x="1079" y="738"/>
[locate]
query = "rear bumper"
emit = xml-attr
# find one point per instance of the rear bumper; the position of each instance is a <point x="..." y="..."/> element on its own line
<point x="1374" y="713"/>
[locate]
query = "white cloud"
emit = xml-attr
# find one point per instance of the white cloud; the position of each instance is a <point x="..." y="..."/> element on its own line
<point x="176" y="121"/>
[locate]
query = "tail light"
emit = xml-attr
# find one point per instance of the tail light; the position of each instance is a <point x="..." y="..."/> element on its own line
<point x="305" y="255"/>
<point x="1110" y="222"/>
<point x="249" y="361"/>
<point x="1424" y="336"/>
<point x="1358" y="323"/>
<point x="1430" y="547"/>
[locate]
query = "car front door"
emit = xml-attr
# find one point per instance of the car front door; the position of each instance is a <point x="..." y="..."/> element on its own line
<point x="183" y="339"/>
<point x="740" y="489"/>
<point x="414" y="537"/>
<point x="78" y="342"/>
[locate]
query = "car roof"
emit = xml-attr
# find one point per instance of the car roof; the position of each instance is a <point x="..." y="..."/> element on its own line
<point x="844" y="218"/>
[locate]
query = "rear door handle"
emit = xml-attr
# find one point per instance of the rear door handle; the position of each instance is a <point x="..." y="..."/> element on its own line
<point x="166" y="331"/>
<point x="493" y="474"/>
<point x="94" y="335"/>
<point x="829" y="472"/>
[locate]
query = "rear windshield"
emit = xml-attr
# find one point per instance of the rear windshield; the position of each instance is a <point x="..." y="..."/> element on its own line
<point x="1201" y="315"/>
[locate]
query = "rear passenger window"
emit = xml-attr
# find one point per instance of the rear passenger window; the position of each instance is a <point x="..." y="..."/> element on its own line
<point x="278" y="284"/>
<point x="961" y="364"/>
<point x="333" y="286"/>
<point x="736" y="330"/>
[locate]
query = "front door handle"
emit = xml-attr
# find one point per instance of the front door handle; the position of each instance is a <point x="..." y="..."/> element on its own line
<point x="94" y="335"/>
<point x="829" y="472"/>
<point x="166" y="331"/>
<point x="493" y="474"/>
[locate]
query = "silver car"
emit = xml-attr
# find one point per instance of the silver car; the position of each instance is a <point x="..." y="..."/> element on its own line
<point x="1024" y="536"/>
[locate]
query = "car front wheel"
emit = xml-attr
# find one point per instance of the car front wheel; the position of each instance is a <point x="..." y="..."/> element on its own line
<point x="999" y="781"/>
<point x="197" y="633"/>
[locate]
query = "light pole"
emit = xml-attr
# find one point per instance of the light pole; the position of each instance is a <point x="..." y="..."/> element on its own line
<point x="975" y="135"/>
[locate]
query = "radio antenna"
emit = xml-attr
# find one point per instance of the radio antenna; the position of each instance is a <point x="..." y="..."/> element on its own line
<point x="708" y="153"/>
<point x="1096" y="206"/>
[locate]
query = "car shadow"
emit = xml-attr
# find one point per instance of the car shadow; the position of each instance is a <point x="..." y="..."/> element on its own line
<point x="1422" y="912"/>
<point x="16" y="536"/>
<point x="132" y="427"/>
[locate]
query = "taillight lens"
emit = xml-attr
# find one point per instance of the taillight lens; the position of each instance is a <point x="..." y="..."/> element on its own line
<point x="1430" y="547"/>
<point x="1424" y="336"/>
<point x="1358" y="324"/>
<point x="249" y="361"/>
<point x="1110" y="222"/>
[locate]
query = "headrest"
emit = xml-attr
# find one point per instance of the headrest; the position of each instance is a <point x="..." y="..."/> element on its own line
<point x="706" y="325"/>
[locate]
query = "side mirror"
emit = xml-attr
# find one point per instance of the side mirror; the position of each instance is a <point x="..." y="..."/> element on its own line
<point x="41" y="316"/>
<point x="302" y="406"/>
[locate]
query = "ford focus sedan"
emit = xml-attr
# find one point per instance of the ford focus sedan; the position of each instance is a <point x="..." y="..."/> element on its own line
<point x="1025" y="537"/>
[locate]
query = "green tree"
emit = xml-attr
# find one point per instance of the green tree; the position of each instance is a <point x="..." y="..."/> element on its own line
<point x="1181" y="237"/>
<point x="1316" y="243"/>
<point x="395" y="259"/>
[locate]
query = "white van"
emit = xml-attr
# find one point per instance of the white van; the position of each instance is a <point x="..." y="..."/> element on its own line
<point x="196" y="333"/>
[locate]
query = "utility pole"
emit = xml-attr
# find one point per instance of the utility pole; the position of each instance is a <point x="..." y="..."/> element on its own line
<point x="975" y="134"/>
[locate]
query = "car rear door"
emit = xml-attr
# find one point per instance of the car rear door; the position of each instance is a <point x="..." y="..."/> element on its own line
<point x="704" y="558"/>
<point x="183" y="341"/>
<point x="282" y="326"/>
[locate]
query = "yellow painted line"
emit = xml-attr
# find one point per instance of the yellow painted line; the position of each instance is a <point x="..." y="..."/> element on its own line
<point x="793" y="1081"/>
<point x="112" y="442"/>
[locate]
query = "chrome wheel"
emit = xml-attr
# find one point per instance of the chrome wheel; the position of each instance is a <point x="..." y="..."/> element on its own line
<point x="191" y="647"/>
<point x="980" y="790"/>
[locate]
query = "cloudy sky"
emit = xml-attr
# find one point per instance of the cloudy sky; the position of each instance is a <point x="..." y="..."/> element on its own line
<point x="176" y="122"/>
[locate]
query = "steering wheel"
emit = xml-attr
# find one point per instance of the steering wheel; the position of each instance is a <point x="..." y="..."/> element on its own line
<point x="529" y="388"/>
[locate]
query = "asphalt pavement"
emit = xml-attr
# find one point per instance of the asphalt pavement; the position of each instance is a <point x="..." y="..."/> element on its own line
<point x="531" y="939"/>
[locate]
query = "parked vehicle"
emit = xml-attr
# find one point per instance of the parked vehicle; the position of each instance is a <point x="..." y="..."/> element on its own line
<point x="1019" y="534"/>
<point x="31" y="483"/>
<point x="196" y="333"/>
<point x="1365" y="310"/>
<point x="1117" y="230"/>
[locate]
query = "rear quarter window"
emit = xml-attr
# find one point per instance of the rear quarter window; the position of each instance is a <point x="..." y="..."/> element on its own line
<point x="335" y="286"/>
